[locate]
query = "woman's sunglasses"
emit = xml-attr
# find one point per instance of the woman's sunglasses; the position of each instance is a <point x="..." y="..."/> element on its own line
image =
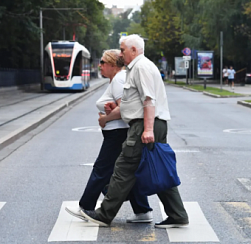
<point x="102" y="61"/>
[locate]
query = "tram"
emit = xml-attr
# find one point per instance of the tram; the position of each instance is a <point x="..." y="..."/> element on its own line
<point x="66" y="66"/>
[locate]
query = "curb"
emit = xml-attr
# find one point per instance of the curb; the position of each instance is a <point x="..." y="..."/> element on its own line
<point x="207" y="93"/>
<point x="172" y="85"/>
<point x="5" y="141"/>
<point x="190" y="89"/>
<point x="243" y="103"/>
<point x="219" y="96"/>
<point x="213" y="95"/>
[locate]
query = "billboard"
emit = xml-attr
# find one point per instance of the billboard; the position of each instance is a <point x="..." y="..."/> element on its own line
<point x="180" y="66"/>
<point x="205" y="64"/>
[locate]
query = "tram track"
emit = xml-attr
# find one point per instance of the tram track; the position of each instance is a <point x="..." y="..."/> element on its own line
<point x="20" y="116"/>
<point x="30" y="111"/>
<point x="22" y="100"/>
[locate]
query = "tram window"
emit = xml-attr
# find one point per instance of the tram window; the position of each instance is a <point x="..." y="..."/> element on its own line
<point x="62" y="60"/>
<point x="77" y="67"/>
<point x="47" y="65"/>
<point x="85" y="69"/>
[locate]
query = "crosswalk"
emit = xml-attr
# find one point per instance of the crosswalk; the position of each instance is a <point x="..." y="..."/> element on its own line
<point x="66" y="228"/>
<point x="69" y="228"/>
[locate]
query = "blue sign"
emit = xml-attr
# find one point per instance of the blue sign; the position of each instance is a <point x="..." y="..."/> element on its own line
<point x="123" y="34"/>
<point x="186" y="51"/>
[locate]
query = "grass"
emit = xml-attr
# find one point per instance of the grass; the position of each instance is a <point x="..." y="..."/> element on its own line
<point x="179" y="83"/>
<point x="248" y="101"/>
<point x="213" y="90"/>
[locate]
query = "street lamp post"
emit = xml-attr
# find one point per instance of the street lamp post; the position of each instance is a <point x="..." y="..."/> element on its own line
<point x="42" y="39"/>
<point x="221" y="58"/>
<point x="41" y="49"/>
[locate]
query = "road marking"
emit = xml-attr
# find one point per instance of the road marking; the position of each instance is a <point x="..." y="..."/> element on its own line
<point x="238" y="131"/>
<point x="186" y="151"/>
<point x="87" y="129"/>
<point x="245" y="182"/>
<point x="90" y="164"/>
<point x="2" y="204"/>
<point x="69" y="228"/>
<point x="199" y="230"/>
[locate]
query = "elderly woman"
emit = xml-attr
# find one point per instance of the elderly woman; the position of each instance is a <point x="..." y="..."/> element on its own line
<point x="114" y="131"/>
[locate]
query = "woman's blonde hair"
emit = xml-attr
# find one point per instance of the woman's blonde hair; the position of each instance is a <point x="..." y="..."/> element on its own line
<point x="112" y="57"/>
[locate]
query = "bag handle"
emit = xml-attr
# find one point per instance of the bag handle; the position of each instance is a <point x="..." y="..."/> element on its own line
<point x="150" y="146"/>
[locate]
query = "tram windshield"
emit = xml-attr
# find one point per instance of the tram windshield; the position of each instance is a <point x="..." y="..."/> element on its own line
<point x="62" y="59"/>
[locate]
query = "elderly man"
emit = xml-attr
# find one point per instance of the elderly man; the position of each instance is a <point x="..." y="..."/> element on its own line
<point x="144" y="106"/>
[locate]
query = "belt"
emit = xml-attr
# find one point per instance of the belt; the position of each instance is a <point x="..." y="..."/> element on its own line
<point x="134" y="121"/>
<point x="137" y="120"/>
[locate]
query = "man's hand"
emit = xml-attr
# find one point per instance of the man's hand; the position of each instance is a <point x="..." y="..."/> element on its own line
<point x="102" y="120"/>
<point x="147" y="137"/>
<point x="149" y="116"/>
<point x="109" y="106"/>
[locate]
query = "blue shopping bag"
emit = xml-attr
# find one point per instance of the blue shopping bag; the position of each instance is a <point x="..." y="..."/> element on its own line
<point x="157" y="170"/>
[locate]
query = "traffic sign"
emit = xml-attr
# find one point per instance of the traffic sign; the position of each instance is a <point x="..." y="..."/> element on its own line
<point x="186" y="64"/>
<point x="186" y="51"/>
<point x="187" y="58"/>
<point x="123" y="34"/>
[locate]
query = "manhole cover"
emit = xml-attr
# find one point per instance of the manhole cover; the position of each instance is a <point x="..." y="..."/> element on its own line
<point x="87" y="129"/>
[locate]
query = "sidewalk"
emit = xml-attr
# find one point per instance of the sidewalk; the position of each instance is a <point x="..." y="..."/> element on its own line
<point x="246" y="90"/>
<point x="23" y="110"/>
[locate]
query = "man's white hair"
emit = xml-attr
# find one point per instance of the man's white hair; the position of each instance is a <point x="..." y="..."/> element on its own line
<point x="133" y="40"/>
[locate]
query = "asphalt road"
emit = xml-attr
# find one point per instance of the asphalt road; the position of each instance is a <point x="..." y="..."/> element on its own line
<point x="48" y="168"/>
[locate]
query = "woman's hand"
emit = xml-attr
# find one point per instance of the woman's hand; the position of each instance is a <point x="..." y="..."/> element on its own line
<point x="109" y="106"/>
<point x="102" y="120"/>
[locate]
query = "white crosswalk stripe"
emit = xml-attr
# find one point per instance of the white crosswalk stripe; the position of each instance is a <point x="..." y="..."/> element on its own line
<point x="245" y="182"/>
<point x="199" y="230"/>
<point x="69" y="228"/>
<point x="2" y="204"/>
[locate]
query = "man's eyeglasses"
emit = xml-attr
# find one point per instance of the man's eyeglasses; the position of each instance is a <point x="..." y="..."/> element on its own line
<point x="102" y="61"/>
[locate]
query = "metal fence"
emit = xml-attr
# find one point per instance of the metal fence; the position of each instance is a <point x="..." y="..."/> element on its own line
<point x="18" y="77"/>
<point x="240" y="76"/>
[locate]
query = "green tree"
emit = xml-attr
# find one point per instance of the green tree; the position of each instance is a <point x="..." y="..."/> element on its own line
<point x="91" y="27"/>
<point x="201" y="22"/>
<point x="119" y="24"/>
<point x="136" y="17"/>
<point x="226" y="16"/>
<point x="161" y="23"/>
<point x="189" y="12"/>
<point x="20" y="33"/>
<point x="136" y="28"/>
